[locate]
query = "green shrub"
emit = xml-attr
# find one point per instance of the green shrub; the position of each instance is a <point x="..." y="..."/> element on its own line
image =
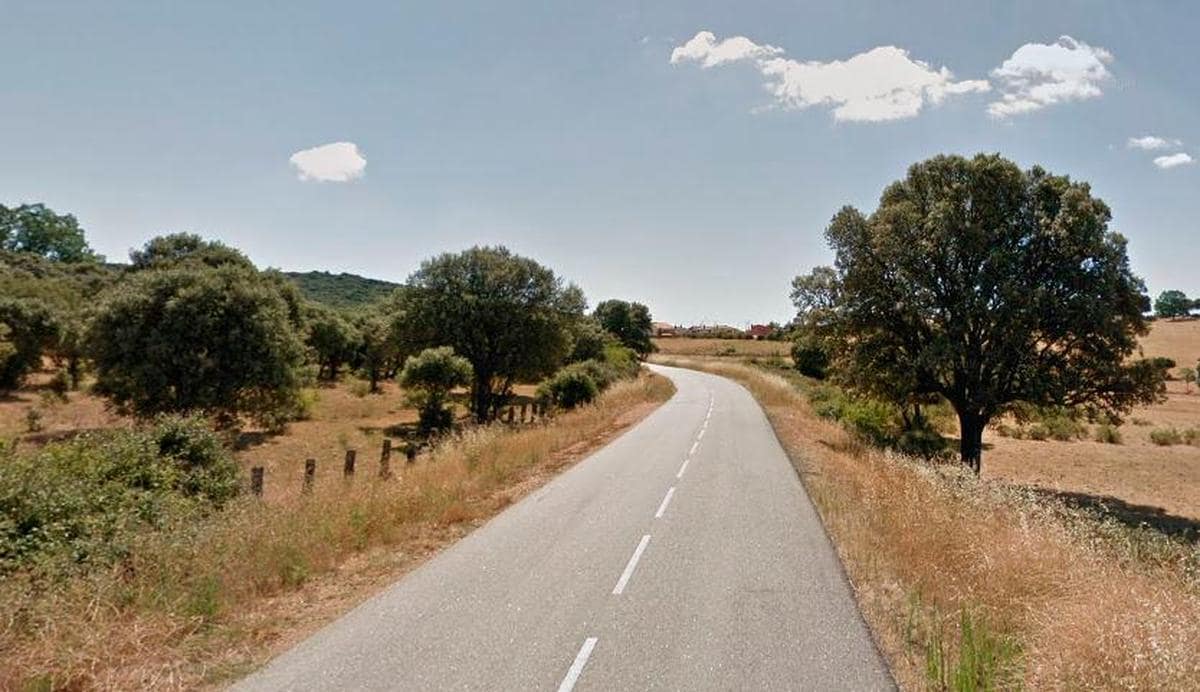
<point x="810" y="359"/>
<point x="569" y="387"/>
<point x="1191" y="436"/>
<point x="1165" y="437"/>
<point x="1107" y="433"/>
<point x="923" y="441"/>
<point x="871" y="421"/>
<point x="1038" y="431"/>
<point x="1064" y="428"/>
<point x="33" y="420"/>
<point x="85" y="500"/>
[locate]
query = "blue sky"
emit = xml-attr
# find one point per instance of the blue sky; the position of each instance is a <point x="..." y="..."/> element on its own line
<point x="568" y="133"/>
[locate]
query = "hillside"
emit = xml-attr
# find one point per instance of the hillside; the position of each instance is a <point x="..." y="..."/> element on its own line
<point x="341" y="290"/>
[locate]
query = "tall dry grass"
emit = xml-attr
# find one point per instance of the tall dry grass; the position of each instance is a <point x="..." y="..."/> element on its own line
<point x="204" y="605"/>
<point x="970" y="584"/>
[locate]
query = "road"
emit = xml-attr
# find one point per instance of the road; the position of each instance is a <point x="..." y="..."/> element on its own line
<point x="684" y="555"/>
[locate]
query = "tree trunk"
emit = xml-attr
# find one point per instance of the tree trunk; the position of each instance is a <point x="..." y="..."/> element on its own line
<point x="971" y="439"/>
<point x="481" y="397"/>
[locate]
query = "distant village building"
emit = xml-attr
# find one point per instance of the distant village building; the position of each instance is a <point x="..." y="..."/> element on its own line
<point x="662" y="329"/>
<point x="760" y="331"/>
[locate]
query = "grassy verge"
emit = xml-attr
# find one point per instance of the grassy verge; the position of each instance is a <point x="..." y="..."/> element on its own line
<point x="972" y="585"/>
<point x="204" y="604"/>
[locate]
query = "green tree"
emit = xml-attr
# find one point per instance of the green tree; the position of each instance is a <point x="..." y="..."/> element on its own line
<point x="332" y="340"/>
<point x="1172" y="304"/>
<point x="37" y="230"/>
<point x="29" y="330"/>
<point x="169" y="251"/>
<point x="588" y="340"/>
<point x="987" y="285"/>
<point x="429" y="377"/>
<point x="377" y="350"/>
<point x="506" y="314"/>
<point x="217" y="341"/>
<point x="629" y="322"/>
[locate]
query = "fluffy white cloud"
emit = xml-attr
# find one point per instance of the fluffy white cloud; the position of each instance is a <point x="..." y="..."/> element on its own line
<point x="337" y="162"/>
<point x="704" y="49"/>
<point x="1039" y="75"/>
<point x="1180" y="159"/>
<point x="1151" y="143"/>
<point x="881" y="84"/>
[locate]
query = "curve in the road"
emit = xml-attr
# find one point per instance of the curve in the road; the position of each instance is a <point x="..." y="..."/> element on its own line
<point x="683" y="555"/>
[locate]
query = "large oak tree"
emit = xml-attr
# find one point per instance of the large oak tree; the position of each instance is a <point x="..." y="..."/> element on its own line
<point x="506" y="314"/>
<point x="986" y="285"/>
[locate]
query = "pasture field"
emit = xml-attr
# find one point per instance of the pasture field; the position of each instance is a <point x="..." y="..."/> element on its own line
<point x="735" y="348"/>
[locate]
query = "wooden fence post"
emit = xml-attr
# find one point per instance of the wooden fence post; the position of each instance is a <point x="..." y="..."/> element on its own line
<point x="310" y="474"/>
<point x="348" y="467"/>
<point x="510" y="415"/>
<point x="256" y="481"/>
<point x="410" y="452"/>
<point x="523" y="406"/>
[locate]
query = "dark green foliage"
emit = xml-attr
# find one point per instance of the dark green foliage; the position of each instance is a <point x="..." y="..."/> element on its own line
<point x="1161" y="364"/>
<point x="170" y="251"/>
<point x="341" y="290"/>
<point x="27" y="329"/>
<point x="213" y="340"/>
<point x="810" y="357"/>
<point x="1172" y="304"/>
<point x="430" y="376"/>
<point x="36" y="230"/>
<point x="85" y="501"/>
<point x="378" y="354"/>
<point x="986" y="285"/>
<point x="629" y="322"/>
<point x="569" y="387"/>
<point x="589" y="340"/>
<point x="332" y="339"/>
<point x="506" y="314"/>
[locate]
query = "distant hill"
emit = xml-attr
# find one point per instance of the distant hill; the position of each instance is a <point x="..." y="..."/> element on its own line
<point x="341" y="290"/>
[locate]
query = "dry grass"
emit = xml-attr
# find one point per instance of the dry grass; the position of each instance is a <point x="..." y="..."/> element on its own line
<point x="1058" y="599"/>
<point x="185" y="611"/>
<point x="688" y="346"/>
<point x="1178" y="340"/>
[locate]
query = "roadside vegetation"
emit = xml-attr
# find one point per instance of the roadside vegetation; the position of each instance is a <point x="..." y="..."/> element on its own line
<point x="971" y="584"/>
<point x="135" y="398"/>
<point x="982" y="307"/>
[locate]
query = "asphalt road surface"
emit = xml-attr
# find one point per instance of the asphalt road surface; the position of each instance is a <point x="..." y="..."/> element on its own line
<point x="685" y="555"/>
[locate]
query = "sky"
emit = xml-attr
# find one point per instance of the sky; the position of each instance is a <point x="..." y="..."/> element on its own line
<point x="684" y="154"/>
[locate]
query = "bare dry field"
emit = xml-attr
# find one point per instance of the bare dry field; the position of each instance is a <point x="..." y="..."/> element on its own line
<point x="1137" y="477"/>
<point x="737" y="348"/>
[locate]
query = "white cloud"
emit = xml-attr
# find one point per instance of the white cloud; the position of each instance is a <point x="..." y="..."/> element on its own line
<point x="1039" y="75"/>
<point x="337" y="162"/>
<point x="703" y="48"/>
<point x="1180" y="159"/>
<point x="881" y="84"/>
<point x="1151" y="143"/>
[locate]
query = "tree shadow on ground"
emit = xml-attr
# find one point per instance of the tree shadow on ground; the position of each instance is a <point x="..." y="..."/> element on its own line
<point x="1130" y="514"/>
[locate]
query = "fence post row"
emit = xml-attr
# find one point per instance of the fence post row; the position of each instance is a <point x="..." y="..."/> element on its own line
<point x="256" y="481"/>
<point x="348" y="467"/>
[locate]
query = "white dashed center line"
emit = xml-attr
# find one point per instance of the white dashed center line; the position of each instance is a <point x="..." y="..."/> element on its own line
<point x="637" y="555"/>
<point x="581" y="660"/>
<point x="682" y="468"/>
<point x="666" y="501"/>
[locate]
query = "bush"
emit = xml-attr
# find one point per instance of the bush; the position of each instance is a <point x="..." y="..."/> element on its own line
<point x="1165" y="437"/>
<point x="811" y="360"/>
<point x="569" y="387"/>
<point x="84" y="501"/>
<point x="1107" y="433"/>
<point x="431" y="375"/>
<point x="1191" y="436"/>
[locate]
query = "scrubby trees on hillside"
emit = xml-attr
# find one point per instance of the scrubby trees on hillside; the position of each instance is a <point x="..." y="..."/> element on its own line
<point x="986" y="285"/>
<point x="197" y="339"/>
<point x="35" y="229"/>
<point x="333" y="340"/>
<point x="506" y="314"/>
<point x="629" y="322"/>
<point x="169" y="251"/>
